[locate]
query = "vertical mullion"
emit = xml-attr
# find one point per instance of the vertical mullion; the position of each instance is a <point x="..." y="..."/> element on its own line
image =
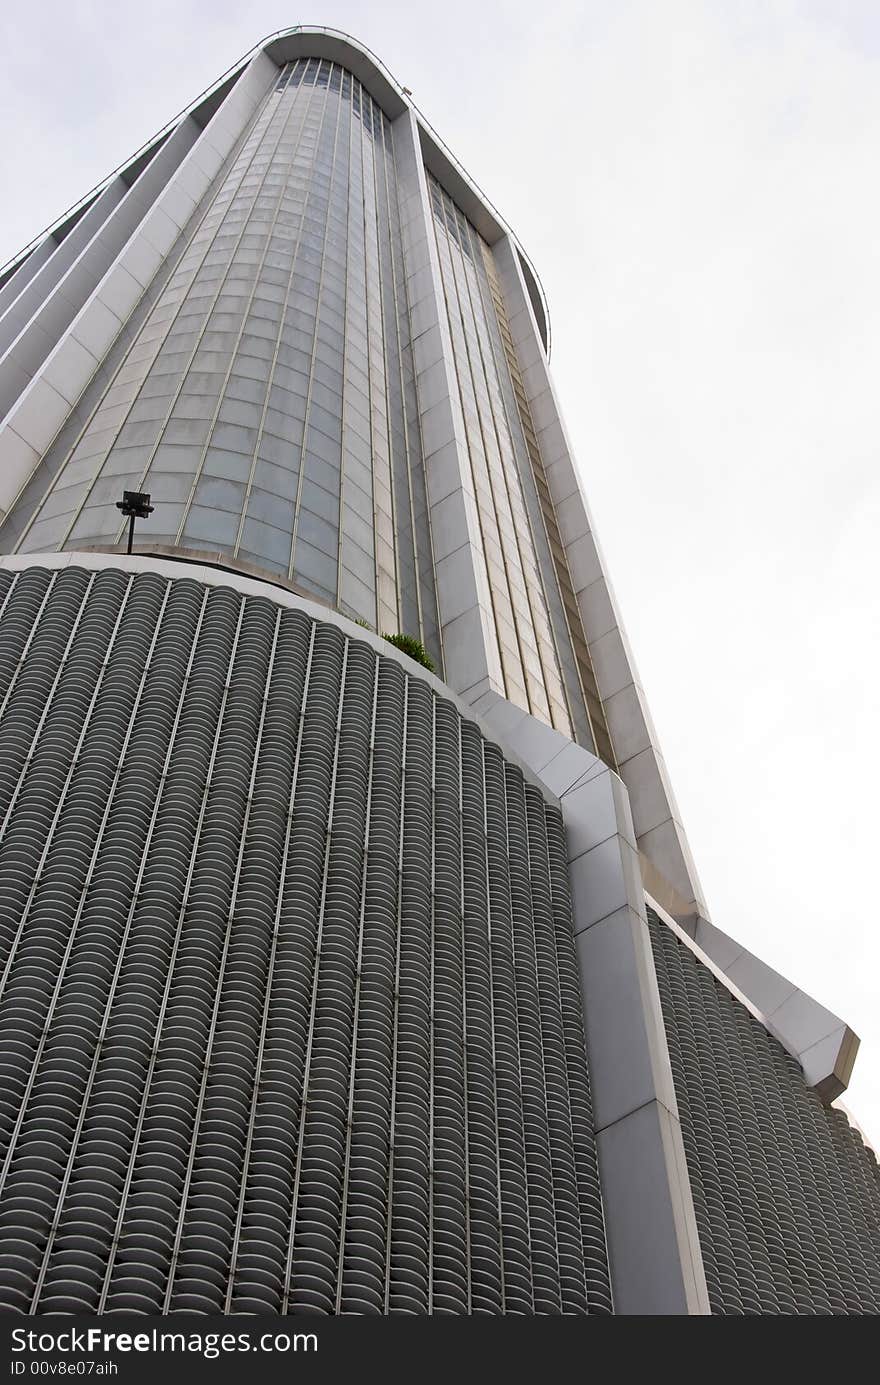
<point x="297" y="242"/>
<point x="269" y="984"/>
<point x="7" y="1162"/>
<point x="8" y="594"/>
<point x="148" y="1077"/>
<point x="376" y="117"/>
<point x="396" y="1015"/>
<point x="432" y="1064"/>
<point x="491" y="988"/>
<point x="294" y="1207"/>
<point x="390" y="168"/>
<point x="464" y="1028"/>
<point x="59" y="1203"/>
<point x="357" y="993"/>
<point x="444" y="256"/>
<point x="13" y="948"/>
<point x="346" y="107"/>
<point x="482" y="452"/>
<point x="122" y="364"/>
<point x="291" y="567"/>
<point x="509" y="480"/>
<point x="287" y="123"/>
<point x="50" y="694"/>
<point x="13" y="684"/>
<point x="221" y="971"/>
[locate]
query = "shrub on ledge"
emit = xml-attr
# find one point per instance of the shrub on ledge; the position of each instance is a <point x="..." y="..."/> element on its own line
<point x="408" y="644"/>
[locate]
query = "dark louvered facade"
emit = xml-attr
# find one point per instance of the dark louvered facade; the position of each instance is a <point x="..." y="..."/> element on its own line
<point x="290" y="1018"/>
<point x="786" y="1193"/>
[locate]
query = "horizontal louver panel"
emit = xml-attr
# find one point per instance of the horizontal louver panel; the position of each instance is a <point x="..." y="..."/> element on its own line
<point x="786" y="1193"/>
<point x="289" y="1009"/>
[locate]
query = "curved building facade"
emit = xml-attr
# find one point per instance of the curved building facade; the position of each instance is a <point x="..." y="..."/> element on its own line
<point x="330" y="984"/>
<point x="291" y="1019"/>
<point x="268" y="400"/>
<point x="267" y="403"/>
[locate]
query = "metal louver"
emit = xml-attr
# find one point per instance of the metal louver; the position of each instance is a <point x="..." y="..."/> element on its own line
<point x="290" y="1018"/>
<point x="786" y="1193"/>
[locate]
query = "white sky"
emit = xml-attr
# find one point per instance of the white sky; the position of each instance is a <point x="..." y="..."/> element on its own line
<point x="696" y="183"/>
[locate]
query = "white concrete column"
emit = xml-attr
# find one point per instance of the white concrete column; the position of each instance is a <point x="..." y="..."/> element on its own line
<point x="653" y="1243"/>
<point x="659" y="833"/>
<point x="467" y="628"/>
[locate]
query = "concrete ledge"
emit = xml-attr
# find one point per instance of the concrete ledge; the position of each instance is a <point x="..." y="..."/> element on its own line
<point x="821" y="1041"/>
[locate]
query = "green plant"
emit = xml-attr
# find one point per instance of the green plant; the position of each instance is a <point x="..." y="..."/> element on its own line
<point x="408" y="644"/>
<point x="364" y="624"/>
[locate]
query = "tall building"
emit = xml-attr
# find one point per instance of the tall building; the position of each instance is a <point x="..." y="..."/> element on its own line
<point x="330" y="984"/>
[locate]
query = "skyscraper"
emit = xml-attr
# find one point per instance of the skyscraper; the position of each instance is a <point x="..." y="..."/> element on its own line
<point x="329" y="983"/>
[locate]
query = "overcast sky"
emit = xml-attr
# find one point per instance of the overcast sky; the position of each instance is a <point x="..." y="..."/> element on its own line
<point x="696" y="183"/>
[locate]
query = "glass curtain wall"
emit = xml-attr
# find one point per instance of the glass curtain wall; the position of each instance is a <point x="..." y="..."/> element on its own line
<point x="511" y="531"/>
<point x="268" y="404"/>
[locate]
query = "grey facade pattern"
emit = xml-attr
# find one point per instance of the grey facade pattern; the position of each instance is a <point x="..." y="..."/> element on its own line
<point x="786" y="1193"/>
<point x="495" y="445"/>
<point x="290" y="1018"/>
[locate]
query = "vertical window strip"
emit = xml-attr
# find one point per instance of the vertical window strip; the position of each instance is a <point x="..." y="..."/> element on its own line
<point x="158" y="805"/>
<point x="345" y="462"/>
<point x="486" y="1240"/>
<point x="109" y="1111"/>
<point x="16" y="589"/>
<point x="296" y="1289"/>
<point x="237" y="176"/>
<point x="495" y="370"/>
<point x="586" y="673"/>
<point x="409" y="603"/>
<point x="143" y="1161"/>
<point x="395" y="1023"/>
<point x="359" y="1040"/>
<point x="504" y="608"/>
<point x="358" y="469"/>
<point x="336" y="116"/>
<point x="246" y="1289"/>
<point x="387" y="577"/>
<point x="249" y="673"/>
<point x="361" y="305"/>
<point x="512" y="1147"/>
<point x="295" y="238"/>
<point x="297" y="118"/>
<point x="414" y="450"/>
<point x="158" y="616"/>
<point x="569" y="690"/>
<point x="412" y="462"/>
<point x="443" y="253"/>
<point x="542" y="1221"/>
<point x="411" y="1208"/>
<point x="76" y="614"/>
<point x="7" y="978"/>
<point x="548" y="693"/>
